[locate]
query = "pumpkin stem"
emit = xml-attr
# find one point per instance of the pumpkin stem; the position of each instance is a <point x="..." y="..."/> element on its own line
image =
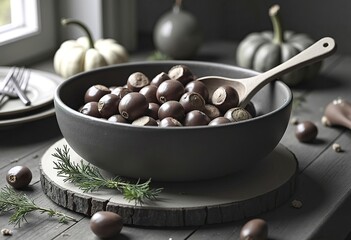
<point x="67" y="21"/>
<point x="278" y="33"/>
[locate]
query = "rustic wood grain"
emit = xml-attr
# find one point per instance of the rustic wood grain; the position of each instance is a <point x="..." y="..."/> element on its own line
<point x="323" y="184"/>
<point x="230" y="198"/>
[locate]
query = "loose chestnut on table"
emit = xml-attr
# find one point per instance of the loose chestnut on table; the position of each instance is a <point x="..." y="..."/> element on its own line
<point x="19" y="177"/>
<point x="306" y="131"/>
<point x="255" y="229"/>
<point x="105" y="224"/>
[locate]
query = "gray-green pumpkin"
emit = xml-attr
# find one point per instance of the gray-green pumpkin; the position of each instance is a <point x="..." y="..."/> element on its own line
<point x="177" y="33"/>
<point x="265" y="50"/>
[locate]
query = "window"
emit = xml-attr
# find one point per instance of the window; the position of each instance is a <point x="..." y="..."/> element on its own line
<point x="26" y="30"/>
<point x="5" y="12"/>
<point x="20" y="19"/>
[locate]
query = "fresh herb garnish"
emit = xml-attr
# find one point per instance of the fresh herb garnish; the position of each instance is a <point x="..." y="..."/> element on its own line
<point x="10" y="200"/>
<point x="88" y="178"/>
<point x="298" y="101"/>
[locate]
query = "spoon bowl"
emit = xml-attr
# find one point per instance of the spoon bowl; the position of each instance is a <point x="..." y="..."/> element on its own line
<point x="248" y="87"/>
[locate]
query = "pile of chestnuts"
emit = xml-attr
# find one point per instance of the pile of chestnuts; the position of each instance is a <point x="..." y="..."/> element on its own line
<point x="168" y="100"/>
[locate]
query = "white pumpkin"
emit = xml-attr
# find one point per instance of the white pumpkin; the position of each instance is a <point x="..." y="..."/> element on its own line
<point x="75" y="56"/>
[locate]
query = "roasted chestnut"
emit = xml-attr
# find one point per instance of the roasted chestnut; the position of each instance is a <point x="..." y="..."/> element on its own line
<point x="212" y="111"/>
<point x="108" y="105"/>
<point x="133" y="105"/>
<point x="198" y="87"/>
<point x="19" y="177"/>
<point x="171" y="109"/>
<point x="94" y="93"/>
<point x="169" y="90"/>
<point x="192" y="101"/>
<point x="169" y="122"/>
<point x="121" y="91"/>
<point x="237" y="114"/>
<point x="225" y="97"/>
<point x="306" y="131"/>
<point x="160" y="78"/>
<point x="117" y="118"/>
<point x="171" y="95"/>
<point x="250" y="107"/>
<point x="181" y="73"/>
<point x="137" y="81"/>
<point x="149" y="92"/>
<point x="255" y="229"/>
<point x="196" y="118"/>
<point x="153" y="110"/>
<point x="91" y="109"/>
<point x="145" y="121"/>
<point x="105" y="224"/>
<point x="219" y="121"/>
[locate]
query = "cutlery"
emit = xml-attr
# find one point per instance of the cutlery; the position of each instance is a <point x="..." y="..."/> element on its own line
<point x="14" y="85"/>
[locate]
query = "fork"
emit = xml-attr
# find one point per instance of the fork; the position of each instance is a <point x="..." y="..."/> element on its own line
<point x="15" y="85"/>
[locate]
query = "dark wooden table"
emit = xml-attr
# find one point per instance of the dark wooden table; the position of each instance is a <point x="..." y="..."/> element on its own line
<point x="323" y="183"/>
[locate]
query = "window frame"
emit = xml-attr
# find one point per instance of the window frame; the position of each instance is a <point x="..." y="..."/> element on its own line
<point x="116" y="20"/>
<point x="24" y="21"/>
<point x="34" y="39"/>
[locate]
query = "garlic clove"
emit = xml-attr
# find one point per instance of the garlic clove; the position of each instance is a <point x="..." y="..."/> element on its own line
<point x="337" y="113"/>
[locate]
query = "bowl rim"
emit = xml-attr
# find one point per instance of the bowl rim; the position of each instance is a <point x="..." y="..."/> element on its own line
<point x="58" y="100"/>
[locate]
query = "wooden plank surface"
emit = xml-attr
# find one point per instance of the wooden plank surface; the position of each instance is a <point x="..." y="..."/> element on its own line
<point x="229" y="198"/>
<point x="323" y="186"/>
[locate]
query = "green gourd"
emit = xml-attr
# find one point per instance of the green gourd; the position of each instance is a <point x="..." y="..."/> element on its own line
<point x="265" y="50"/>
<point x="177" y="33"/>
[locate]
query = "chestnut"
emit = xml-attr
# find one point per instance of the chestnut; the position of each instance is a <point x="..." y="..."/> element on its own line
<point x="105" y="224"/>
<point x="171" y="109"/>
<point x="19" y="177"/>
<point x="169" y="90"/>
<point x="212" y="111"/>
<point x="145" y="121"/>
<point x="255" y="229"/>
<point x="196" y="118"/>
<point x="225" y="97"/>
<point x="121" y="91"/>
<point x="159" y="78"/>
<point x="133" y="105"/>
<point x="91" y="109"/>
<point x="153" y="110"/>
<point x="112" y="87"/>
<point x="108" y="105"/>
<point x="94" y="93"/>
<point x="181" y="73"/>
<point x="219" y="121"/>
<point x="198" y="87"/>
<point x="137" y="81"/>
<point x="250" y="107"/>
<point x="169" y="122"/>
<point x="237" y="114"/>
<point x="150" y="93"/>
<point x="117" y="118"/>
<point x="192" y="101"/>
<point x="306" y="131"/>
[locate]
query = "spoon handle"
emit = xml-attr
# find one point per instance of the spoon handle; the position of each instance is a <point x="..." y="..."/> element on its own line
<point x="316" y="52"/>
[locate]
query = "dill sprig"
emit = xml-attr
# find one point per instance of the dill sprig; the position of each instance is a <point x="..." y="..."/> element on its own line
<point x="10" y="200"/>
<point x="298" y="102"/>
<point x="88" y="178"/>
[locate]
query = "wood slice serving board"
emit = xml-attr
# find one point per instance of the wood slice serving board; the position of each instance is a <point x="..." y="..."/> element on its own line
<point x="241" y="195"/>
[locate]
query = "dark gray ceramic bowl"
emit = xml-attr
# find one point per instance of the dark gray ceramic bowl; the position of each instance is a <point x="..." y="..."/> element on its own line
<point x="171" y="154"/>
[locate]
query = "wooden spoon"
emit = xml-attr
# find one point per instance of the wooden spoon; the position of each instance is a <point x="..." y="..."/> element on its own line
<point x="248" y="87"/>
